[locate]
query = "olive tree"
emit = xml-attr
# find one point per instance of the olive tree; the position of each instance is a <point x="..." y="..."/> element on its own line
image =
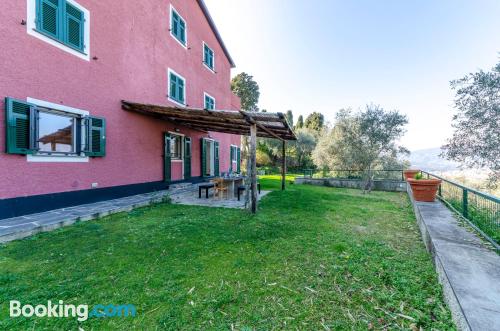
<point x="476" y="138"/>
<point x="361" y="141"/>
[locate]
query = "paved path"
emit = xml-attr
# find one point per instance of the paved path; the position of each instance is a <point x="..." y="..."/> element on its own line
<point x="467" y="268"/>
<point x="24" y="226"/>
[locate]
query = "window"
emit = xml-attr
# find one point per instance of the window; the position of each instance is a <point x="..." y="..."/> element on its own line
<point x="40" y="130"/>
<point x="209" y="102"/>
<point x="63" y="21"/>
<point x="176" y="89"/>
<point x="177" y="27"/>
<point x="233" y="153"/>
<point x="176" y="147"/>
<point x="208" y="57"/>
<point x="56" y="133"/>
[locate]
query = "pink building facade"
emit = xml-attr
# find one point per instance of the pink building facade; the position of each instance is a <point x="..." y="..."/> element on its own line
<point x="68" y="64"/>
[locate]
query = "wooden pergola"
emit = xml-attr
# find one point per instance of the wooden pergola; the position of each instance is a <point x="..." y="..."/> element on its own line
<point x="253" y="124"/>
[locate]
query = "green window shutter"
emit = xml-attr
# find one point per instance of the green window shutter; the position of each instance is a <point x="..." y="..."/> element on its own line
<point x="231" y="155"/>
<point x="48" y="17"/>
<point x="176" y="89"/>
<point x="96" y="136"/>
<point x="167" y="159"/>
<point x="187" y="158"/>
<point x="74" y="22"/>
<point x="208" y="56"/>
<point x="180" y="90"/>
<point x="216" y="163"/>
<point x="203" y="157"/>
<point x="182" y="32"/>
<point x="20" y="131"/>
<point x="173" y="86"/>
<point x="178" y="27"/>
<point x="238" y="160"/>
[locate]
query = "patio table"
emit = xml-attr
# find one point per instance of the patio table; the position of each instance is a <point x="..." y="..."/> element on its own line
<point x="232" y="184"/>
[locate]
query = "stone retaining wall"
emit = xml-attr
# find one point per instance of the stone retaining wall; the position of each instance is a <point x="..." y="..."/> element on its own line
<point x="378" y="185"/>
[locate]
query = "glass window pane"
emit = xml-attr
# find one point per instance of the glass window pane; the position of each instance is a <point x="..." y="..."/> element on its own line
<point x="56" y="133"/>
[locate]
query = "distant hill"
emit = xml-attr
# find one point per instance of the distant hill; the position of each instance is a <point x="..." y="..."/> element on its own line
<point x="429" y="159"/>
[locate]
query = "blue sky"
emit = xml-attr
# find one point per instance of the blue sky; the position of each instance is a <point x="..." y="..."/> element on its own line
<point x="326" y="55"/>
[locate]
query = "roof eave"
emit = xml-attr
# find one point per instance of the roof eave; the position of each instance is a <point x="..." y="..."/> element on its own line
<point x="211" y="22"/>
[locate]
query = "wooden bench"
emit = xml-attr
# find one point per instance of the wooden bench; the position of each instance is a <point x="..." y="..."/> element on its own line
<point x="205" y="187"/>
<point x="242" y="188"/>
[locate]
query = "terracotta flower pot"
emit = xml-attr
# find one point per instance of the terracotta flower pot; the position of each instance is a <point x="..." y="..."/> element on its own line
<point x="410" y="173"/>
<point x="424" y="189"/>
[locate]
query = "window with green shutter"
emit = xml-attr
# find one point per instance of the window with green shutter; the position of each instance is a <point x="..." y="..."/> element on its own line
<point x="62" y="21"/>
<point x="178" y="26"/>
<point x="209" y="102"/>
<point x="176" y="89"/>
<point x="208" y="57"/>
<point x="32" y="129"/>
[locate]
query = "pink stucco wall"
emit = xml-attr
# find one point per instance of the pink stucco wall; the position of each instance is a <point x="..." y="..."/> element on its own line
<point x="134" y="50"/>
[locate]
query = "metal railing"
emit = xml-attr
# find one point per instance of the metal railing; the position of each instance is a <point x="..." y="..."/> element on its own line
<point x="479" y="209"/>
<point x="354" y="174"/>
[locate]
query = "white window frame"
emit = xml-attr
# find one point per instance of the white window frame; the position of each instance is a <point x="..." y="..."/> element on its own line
<point x="203" y="54"/>
<point x="57" y="158"/>
<point x="180" y="135"/>
<point x="205" y="94"/>
<point x="31" y="30"/>
<point x="235" y="154"/>
<point x="172" y="9"/>
<point x="171" y="71"/>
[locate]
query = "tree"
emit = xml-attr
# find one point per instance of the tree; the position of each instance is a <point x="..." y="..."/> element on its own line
<point x="303" y="147"/>
<point x="247" y="90"/>
<point x="289" y="117"/>
<point x="361" y="141"/>
<point x="300" y="122"/>
<point x="476" y="138"/>
<point x="315" y="121"/>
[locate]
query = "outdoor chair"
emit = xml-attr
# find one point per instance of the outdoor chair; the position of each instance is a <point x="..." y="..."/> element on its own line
<point x="220" y="189"/>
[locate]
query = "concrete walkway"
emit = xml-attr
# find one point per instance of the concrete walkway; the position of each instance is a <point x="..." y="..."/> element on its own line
<point x="28" y="225"/>
<point x="467" y="268"/>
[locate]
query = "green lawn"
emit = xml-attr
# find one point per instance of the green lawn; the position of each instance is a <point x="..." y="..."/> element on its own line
<point x="314" y="258"/>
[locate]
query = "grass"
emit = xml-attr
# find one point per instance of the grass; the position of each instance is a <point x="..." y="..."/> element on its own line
<point x="314" y="258"/>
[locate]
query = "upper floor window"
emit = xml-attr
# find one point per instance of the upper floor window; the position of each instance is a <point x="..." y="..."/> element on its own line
<point x="177" y="26"/>
<point x="208" y="57"/>
<point x="209" y="102"/>
<point x="62" y="23"/>
<point x="176" y="88"/>
<point x="61" y="20"/>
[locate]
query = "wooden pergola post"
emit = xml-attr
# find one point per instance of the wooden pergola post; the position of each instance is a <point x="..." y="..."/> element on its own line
<point x="253" y="167"/>
<point x="283" y="165"/>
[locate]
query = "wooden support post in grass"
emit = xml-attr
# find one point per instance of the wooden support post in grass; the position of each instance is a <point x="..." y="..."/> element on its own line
<point x="283" y="165"/>
<point x="253" y="167"/>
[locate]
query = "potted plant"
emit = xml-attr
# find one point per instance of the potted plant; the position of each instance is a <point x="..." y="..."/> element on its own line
<point x="424" y="189"/>
<point x="410" y="173"/>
